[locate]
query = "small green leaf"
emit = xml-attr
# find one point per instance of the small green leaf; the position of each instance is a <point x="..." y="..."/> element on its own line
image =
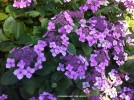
<point x="9" y="78"/>
<point x="3" y="16"/>
<point x="86" y="49"/>
<point x="71" y="48"/>
<point x="34" y="13"/>
<point x="2" y="36"/>
<point x="6" y="46"/>
<point x="57" y="76"/>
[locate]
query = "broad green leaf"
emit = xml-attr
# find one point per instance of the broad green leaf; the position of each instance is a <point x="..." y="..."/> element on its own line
<point x="9" y="78"/>
<point x="47" y="69"/>
<point x="3" y="16"/>
<point x="57" y="76"/>
<point x="71" y="48"/>
<point x="30" y="85"/>
<point x="20" y="30"/>
<point x="24" y="39"/>
<point x="10" y="27"/>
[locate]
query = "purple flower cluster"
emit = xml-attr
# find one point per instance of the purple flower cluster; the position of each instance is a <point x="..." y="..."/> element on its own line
<point x="96" y="31"/>
<point x="99" y="59"/>
<point x="25" y="57"/>
<point x="74" y="67"/>
<point x="39" y="48"/>
<point x="22" y="3"/>
<point x="3" y="97"/>
<point x="125" y="94"/>
<point x="107" y="85"/>
<point x="129" y="4"/>
<point x="106" y="36"/>
<point x="65" y="19"/>
<point x="57" y="43"/>
<point x="44" y="96"/>
<point x="93" y="5"/>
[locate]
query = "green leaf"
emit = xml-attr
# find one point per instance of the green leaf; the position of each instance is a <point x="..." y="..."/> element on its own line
<point x="20" y="30"/>
<point x="9" y="78"/>
<point x="34" y="13"/>
<point x="129" y="67"/>
<point x="71" y="48"/>
<point x="57" y="76"/>
<point x="6" y="46"/>
<point x="30" y="85"/>
<point x="95" y="92"/>
<point x="44" y="22"/>
<point x="24" y="39"/>
<point x="47" y="69"/>
<point x="86" y="49"/>
<point x="10" y="27"/>
<point x="2" y="36"/>
<point x="3" y="16"/>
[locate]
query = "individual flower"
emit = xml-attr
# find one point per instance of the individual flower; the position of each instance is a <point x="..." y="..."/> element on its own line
<point x="20" y="73"/>
<point x="10" y="63"/>
<point x="85" y="85"/>
<point x="21" y="64"/>
<point x="29" y="72"/>
<point x="51" y="26"/>
<point x="68" y="28"/>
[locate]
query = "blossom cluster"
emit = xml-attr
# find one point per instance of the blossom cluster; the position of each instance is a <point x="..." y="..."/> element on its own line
<point x="25" y="57"/>
<point x="129" y="4"/>
<point x="58" y="41"/>
<point x="74" y="67"/>
<point x="3" y="97"/>
<point x="125" y="94"/>
<point x="93" y="5"/>
<point x="22" y="3"/>
<point x="107" y="85"/>
<point x="106" y="36"/>
<point x="44" y="96"/>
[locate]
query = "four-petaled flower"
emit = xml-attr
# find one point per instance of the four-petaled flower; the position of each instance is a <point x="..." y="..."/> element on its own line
<point x="68" y="28"/>
<point x="10" y="63"/>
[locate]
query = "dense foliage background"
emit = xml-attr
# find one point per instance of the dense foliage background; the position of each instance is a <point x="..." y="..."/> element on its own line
<point x="20" y="27"/>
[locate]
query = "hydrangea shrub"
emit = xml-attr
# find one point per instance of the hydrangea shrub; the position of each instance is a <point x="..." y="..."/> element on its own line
<point x="66" y="50"/>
